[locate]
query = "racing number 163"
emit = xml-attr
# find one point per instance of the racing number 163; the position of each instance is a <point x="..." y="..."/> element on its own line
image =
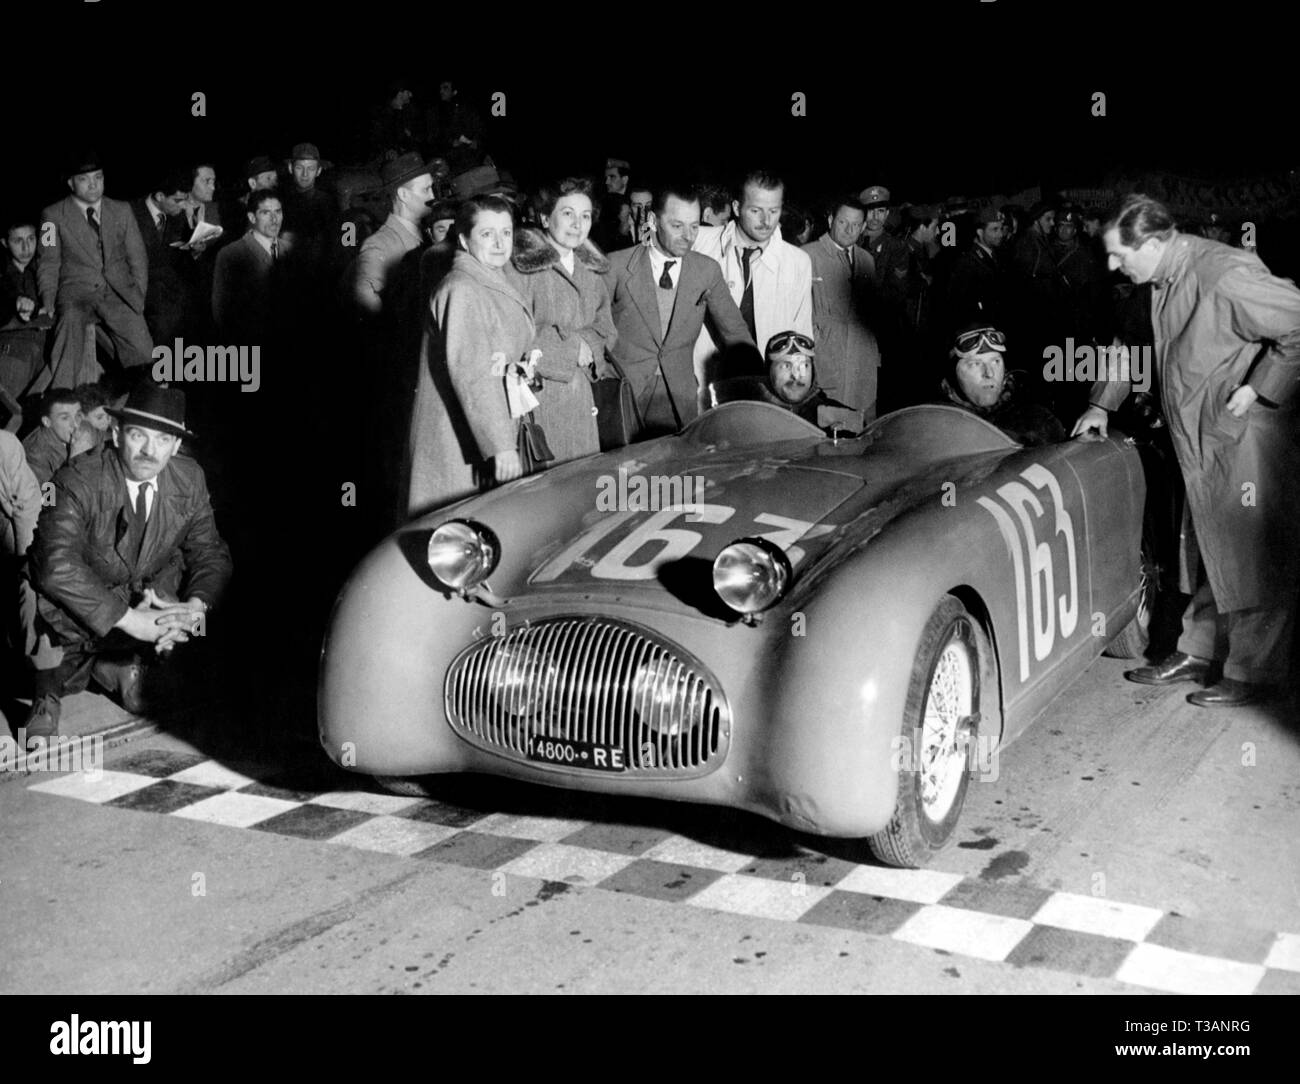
<point x="1037" y="605"/>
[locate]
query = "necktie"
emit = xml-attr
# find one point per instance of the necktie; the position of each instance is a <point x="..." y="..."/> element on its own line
<point x="93" y="219"/>
<point x="747" y="299"/>
<point x="139" y="519"/>
<point x="275" y="251"/>
<point x="666" y="280"/>
<point x="849" y="253"/>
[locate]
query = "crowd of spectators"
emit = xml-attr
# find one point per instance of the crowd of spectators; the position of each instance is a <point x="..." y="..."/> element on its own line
<point x="425" y="285"/>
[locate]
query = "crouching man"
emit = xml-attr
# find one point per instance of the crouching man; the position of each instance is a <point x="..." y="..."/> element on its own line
<point x="130" y="533"/>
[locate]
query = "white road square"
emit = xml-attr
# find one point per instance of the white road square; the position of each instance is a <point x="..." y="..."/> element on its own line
<point x="235" y="810"/>
<point x="1089" y="914"/>
<point x="538" y="829"/>
<point x="1285" y="953"/>
<point x="101" y="786"/>
<point x="916" y="885"/>
<point x="759" y="897"/>
<point x="212" y="774"/>
<point x="394" y="835"/>
<point x="688" y="852"/>
<point x="364" y="801"/>
<point x="1178" y="972"/>
<point x="561" y="862"/>
<point x="971" y="933"/>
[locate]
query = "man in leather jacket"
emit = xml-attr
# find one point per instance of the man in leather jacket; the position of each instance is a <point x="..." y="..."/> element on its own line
<point x="130" y="534"/>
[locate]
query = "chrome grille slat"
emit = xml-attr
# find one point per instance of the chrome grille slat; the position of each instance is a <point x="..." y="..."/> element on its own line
<point x="575" y="679"/>
<point x="548" y="648"/>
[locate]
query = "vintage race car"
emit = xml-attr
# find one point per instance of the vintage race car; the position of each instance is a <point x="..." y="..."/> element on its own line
<point x="834" y="633"/>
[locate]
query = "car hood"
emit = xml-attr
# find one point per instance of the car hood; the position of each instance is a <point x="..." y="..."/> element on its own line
<point x="644" y="524"/>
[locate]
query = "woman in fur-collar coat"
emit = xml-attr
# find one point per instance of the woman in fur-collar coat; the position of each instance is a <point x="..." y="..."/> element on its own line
<point x="558" y="272"/>
<point x="463" y="438"/>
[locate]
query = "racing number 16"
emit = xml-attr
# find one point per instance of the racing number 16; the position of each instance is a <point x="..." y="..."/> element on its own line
<point x="1033" y="563"/>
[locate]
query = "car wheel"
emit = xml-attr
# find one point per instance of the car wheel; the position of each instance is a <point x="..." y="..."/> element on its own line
<point x="1132" y="640"/>
<point x="951" y="678"/>
<point x="406" y="786"/>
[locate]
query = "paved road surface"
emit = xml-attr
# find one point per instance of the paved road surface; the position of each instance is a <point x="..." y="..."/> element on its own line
<point x="1130" y="843"/>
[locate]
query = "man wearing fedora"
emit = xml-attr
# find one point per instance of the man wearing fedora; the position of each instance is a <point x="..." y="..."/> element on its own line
<point x="260" y="173"/>
<point x="130" y="534"/>
<point x="93" y="270"/>
<point x="410" y="180"/>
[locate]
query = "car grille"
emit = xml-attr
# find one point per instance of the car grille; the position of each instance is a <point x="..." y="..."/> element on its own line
<point x="576" y="679"/>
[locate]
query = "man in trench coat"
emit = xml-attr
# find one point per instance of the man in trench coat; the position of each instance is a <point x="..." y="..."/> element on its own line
<point x="1227" y="361"/>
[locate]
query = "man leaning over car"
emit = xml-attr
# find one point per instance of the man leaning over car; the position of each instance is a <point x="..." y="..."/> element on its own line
<point x="1227" y="359"/>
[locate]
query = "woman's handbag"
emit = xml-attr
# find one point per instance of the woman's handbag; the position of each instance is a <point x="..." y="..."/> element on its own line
<point x="534" y="451"/>
<point x="617" y="418"/>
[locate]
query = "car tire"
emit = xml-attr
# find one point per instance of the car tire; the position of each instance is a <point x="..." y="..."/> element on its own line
<point x="407" y="786"/>
<point x="951" y="688"/>
<point x="1133" y="638"/>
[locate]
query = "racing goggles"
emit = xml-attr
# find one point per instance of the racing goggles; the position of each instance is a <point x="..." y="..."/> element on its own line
<point x="979" y="339"/>
<point x="787" y="343"/>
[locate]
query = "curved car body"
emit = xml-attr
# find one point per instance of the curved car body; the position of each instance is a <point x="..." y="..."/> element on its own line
<point x="601" y="637"/>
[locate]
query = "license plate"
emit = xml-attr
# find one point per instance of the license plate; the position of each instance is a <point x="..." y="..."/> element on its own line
<point x="577" y="754"/>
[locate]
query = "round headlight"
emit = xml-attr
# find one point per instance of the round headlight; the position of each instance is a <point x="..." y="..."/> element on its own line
<point x="751" y="575"/>
<point x="463" y="554"/>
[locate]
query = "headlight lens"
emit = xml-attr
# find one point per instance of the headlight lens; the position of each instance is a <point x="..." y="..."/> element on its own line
<point x="752" y="575"/>
<point x="463" y="554"/>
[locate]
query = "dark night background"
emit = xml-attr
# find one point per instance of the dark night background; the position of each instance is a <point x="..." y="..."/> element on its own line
<point x="930" y="100"/>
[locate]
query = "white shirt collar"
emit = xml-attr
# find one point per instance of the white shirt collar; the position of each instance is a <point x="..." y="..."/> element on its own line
<point x="159" y="215"/>
<point x="98" y="205"/>
<point x="262" y="240"/>
<point x="734" y="236"/>
<point x="133" y="492"/>
<point x="658" y="260"/>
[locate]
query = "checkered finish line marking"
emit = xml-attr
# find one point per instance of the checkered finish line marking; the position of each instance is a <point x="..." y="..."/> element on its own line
<point x="1017" y="924"/>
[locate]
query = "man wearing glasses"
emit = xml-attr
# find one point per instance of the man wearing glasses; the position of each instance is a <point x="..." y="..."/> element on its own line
<point x="978" y="381"/>
<point x="792" y="379"/>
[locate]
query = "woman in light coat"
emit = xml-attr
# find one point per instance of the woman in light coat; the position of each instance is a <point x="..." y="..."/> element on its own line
<point x="463" y="438"/>
<point x="558" y="272"/>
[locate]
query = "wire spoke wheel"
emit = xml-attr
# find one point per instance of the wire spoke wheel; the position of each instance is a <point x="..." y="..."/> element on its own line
<point x="941" y="722"/>
<point x="945" y="727"/>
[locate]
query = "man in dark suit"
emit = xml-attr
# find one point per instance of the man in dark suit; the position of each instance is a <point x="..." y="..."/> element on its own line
<point x="93" y="270"/>
<point x="130" y="533"/>
<point x="977" y="288"/>
<point x="162" y="223"/>
<point x="661" y="292"/>
<point x="248" y="273"/>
